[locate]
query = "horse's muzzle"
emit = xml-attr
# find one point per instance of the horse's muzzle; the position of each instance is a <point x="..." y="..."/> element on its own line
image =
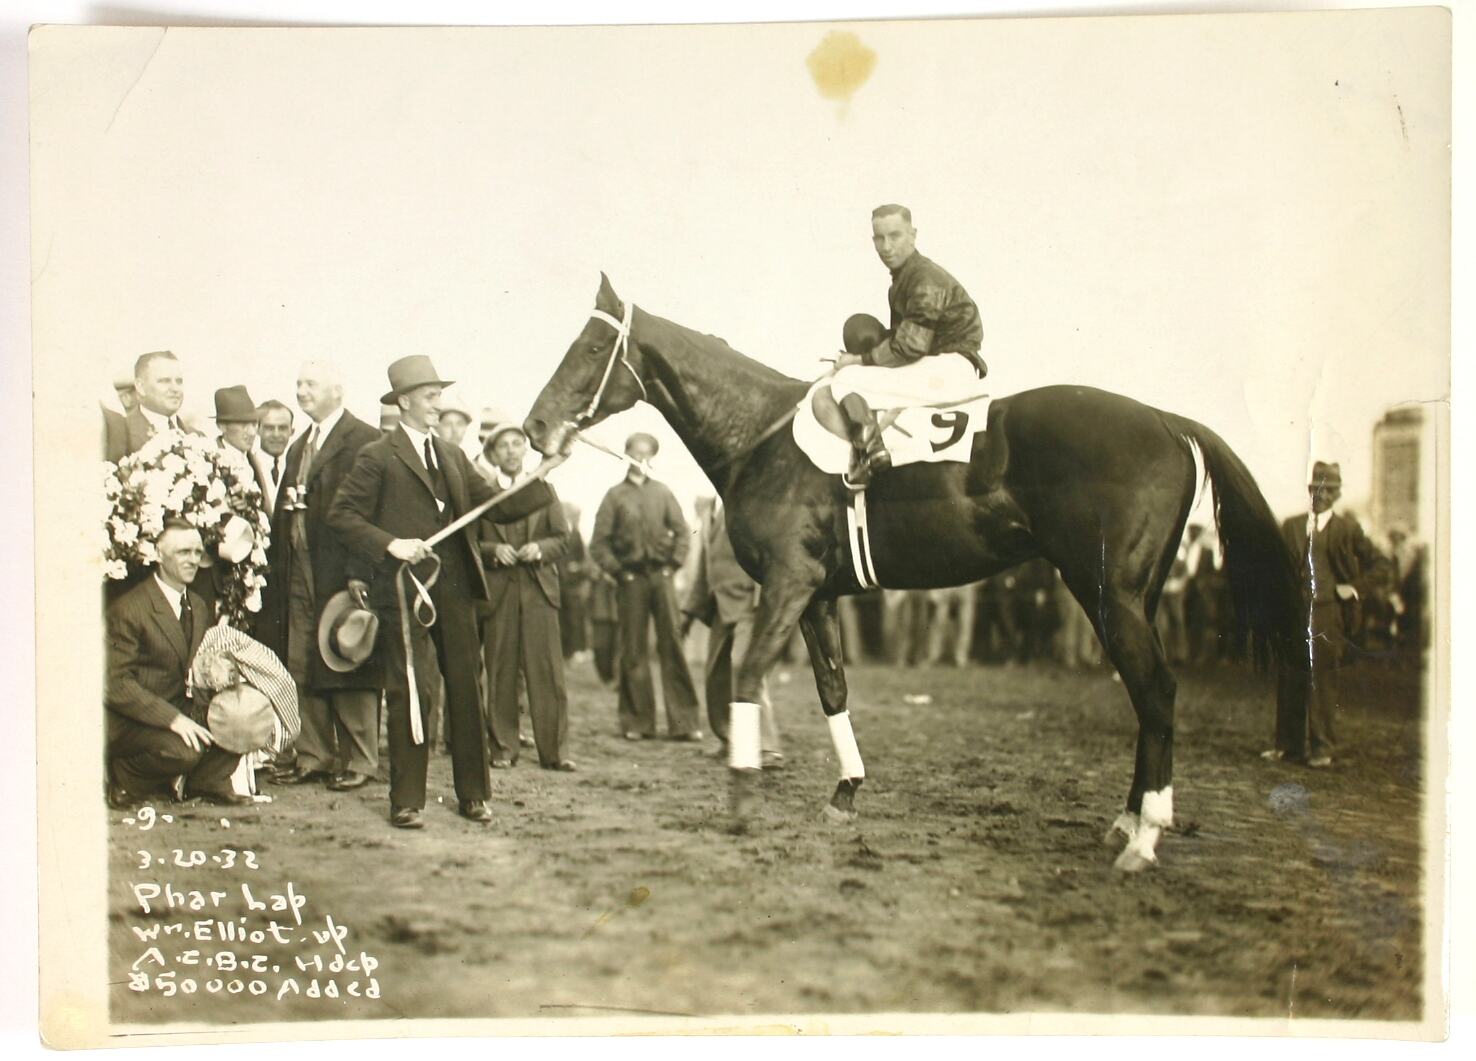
<point x="550" y="441"/>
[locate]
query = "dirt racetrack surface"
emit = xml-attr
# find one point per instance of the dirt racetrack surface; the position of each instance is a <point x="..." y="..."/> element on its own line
<point x="975" y="880"/>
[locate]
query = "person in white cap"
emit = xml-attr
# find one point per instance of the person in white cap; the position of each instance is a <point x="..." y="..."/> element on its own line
<point x="521" y="636"/>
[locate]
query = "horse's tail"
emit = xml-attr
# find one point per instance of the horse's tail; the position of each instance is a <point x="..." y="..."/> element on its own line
<point x="1258" y="565"/>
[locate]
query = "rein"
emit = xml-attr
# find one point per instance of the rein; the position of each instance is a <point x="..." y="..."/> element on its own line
<point x="424" y="609"/>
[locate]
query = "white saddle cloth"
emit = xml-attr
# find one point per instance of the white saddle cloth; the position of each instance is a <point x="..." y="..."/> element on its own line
<point x="921" y="435"/>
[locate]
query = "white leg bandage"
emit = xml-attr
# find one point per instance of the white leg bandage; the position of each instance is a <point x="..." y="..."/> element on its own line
<point x="743" y="736"/>
<point x="1158" y="807"/>
<point x="846" y="752"/>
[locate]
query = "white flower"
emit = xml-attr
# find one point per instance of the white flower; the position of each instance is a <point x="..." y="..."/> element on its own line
<point x="124" y="533"/>
<point x="150" y="521"/>
<point x="253" y="602"/>
<point x="258" y="555"/>
<point x="172" y="463"/>
<point x="147" y="553"/>
<point x="216" y="491"/>
<point x="117" y="569"/>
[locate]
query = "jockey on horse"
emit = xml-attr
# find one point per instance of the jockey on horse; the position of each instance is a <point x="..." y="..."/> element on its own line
<point x="930" y="355"/>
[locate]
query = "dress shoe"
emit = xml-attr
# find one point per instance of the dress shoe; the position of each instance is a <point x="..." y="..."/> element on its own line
<point x="406" y="818"/>
<point x="525" y="741"/>
<point x="1273" y="755"/>
<point x="475" y="810"/>
<point x="504" y="764"/>
<point x="348" y="781"/>
<point x="631" y="734"/>
<point x="773" y="760"/>
<point x="1320" y="762"/>
<point x="688" y="738"/>
<point x="223" y="799"/>
<point x="566" y="765"/>
<point x="300" y="775"/>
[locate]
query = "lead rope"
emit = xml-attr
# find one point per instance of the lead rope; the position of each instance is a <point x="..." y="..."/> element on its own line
<point x="424" y="609"/>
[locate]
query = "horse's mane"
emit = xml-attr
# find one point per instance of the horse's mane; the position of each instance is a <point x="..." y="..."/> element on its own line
<point x="752" y="372"/>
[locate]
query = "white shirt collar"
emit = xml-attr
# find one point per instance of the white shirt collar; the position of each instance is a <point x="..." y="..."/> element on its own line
<point x="417" y="439"/>
<point x="1317" y="521"/>
<point x="172" y="595"/>
<point x="159" y="421"/>
<point x="327" y="424"/>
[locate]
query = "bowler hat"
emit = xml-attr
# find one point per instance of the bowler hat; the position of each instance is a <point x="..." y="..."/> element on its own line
<point x="234" y="406"/>
<point x="408" y="373"/>
<point x="346" y="633"/>
<point x="650" y="441"/>
<point x="498" y="430"/>
<point x="1329" y="474"/>
<point x="240" y="719"/>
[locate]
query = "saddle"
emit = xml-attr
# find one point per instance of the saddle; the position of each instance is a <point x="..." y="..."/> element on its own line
<point x="925" y="434"/>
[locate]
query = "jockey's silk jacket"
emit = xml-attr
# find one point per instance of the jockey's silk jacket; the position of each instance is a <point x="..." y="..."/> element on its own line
<point x="931" y="314"/>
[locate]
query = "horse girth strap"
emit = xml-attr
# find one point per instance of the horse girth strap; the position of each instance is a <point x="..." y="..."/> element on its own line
<point x="424" y="609"/>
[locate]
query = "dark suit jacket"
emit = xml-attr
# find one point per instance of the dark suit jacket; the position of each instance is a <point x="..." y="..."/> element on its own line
<point x="1355" y="560"/>
<point x="388" y="495"/>
<point x="721" y="589"/>
<point x="329" y="560"/>
<point x="148" y="658"/>
<point x="115" y="435"/>
<point x="550" y="529"/>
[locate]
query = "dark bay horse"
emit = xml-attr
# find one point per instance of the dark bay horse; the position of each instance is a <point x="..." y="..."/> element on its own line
<point x="1099" y="485"/>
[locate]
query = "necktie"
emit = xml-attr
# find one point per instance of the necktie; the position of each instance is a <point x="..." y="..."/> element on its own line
<point x="309" y="451"/>
<point x="438" y="480"/>
<point x="276" y="471"/>
<point x="186" y="618"/>
<point x="174" y="423"/>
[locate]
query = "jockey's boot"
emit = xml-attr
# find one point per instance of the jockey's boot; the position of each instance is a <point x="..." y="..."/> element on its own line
<point x="868" y="453"/>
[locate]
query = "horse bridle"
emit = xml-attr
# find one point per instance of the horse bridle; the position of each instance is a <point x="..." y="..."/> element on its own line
<point x="619" y="351"/>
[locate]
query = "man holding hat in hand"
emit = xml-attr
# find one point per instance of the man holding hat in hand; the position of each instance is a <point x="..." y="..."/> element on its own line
<point x="309" y="568"/>
<point x="640" y="539"/>
<point x="403" y="489"/>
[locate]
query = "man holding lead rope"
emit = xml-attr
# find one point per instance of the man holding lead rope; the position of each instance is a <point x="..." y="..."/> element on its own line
<point x="404" y="507"/>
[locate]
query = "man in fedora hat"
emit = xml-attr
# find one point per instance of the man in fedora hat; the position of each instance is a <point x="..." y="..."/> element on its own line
<point x="308" y="565"/>
<point x="524" y="601"/>
<point x="640" y="539"/>
<point x="404" y="488"/>
<point x="1335" y="562"/>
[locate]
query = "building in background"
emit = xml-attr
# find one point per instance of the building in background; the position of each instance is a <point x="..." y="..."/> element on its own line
<point x="1399" y="450"/>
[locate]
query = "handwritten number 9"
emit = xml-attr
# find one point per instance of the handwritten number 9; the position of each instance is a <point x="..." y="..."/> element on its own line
<point x="955" y="423"/>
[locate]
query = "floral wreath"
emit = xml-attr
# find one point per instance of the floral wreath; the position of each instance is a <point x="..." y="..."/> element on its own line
<point x="185" y="476"/>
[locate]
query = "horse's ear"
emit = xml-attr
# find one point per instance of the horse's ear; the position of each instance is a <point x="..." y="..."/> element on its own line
<point x="606" y="299"/>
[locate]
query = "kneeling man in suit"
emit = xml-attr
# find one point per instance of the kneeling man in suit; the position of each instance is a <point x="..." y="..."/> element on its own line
<point x="155" y="731"/>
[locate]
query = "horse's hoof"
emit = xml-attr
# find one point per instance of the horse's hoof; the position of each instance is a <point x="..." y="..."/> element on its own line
<point x="1123" y="829"/>
<point x="833" y="815"/>
<point x="1133" y="861"/>
<point x="743" y="796"/>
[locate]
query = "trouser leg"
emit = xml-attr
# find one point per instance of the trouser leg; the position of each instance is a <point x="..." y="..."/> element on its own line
<point x="543" y="672"/>
<point x="408" y="761"/>
<point x="680" y="693"/>
<point x="316" y="741"/>
<point x="637" y="695"/>
<point x="458" y="647"/>
<point x="144" y="760"/>
<point x="501" y="645"/>
<point x="356" y="722"/>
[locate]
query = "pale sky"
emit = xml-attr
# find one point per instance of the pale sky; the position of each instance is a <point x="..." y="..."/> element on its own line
<point x="1243" y="220"/>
